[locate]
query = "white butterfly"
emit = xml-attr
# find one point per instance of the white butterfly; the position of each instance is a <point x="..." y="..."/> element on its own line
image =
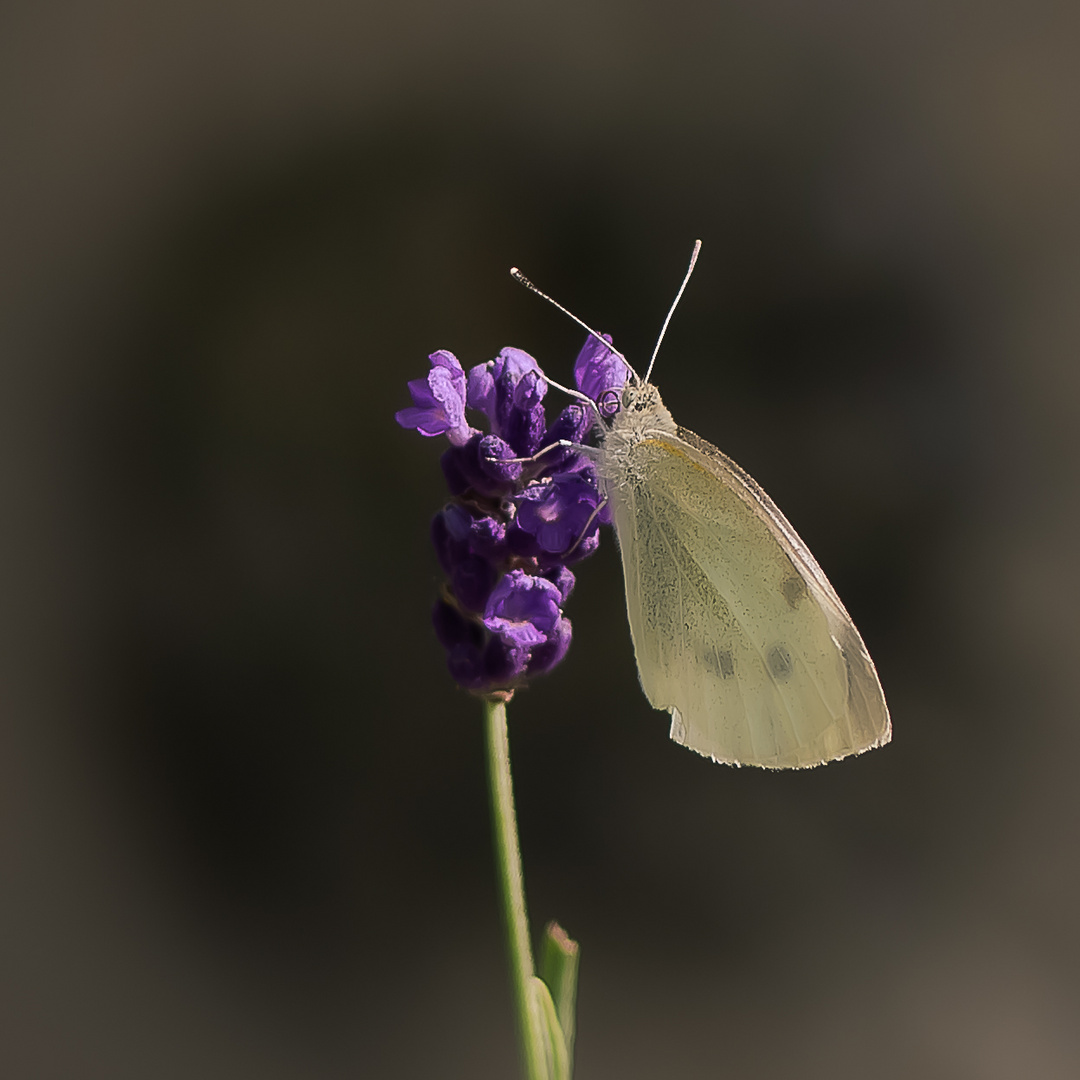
<point x="736" y="629"/>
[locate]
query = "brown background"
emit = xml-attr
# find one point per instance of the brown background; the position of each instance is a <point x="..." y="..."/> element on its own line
<point x="242" y="820"/>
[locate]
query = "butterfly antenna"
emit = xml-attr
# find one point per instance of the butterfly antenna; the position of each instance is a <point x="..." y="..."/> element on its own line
<point x="674" y="305"/>
<point x="521" y="279"/>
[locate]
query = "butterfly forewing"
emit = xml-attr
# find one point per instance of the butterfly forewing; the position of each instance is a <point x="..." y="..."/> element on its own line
<point x="736" y="629"/>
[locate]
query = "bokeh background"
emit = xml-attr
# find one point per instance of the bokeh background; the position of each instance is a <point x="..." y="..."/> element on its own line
<point x="243" y="828"/>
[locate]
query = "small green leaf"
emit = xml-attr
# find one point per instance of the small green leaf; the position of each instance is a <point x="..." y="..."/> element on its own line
<point x="546" y="1019"/>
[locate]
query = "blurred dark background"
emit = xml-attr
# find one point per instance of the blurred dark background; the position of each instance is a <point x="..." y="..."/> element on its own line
<point x="243" y="826"/>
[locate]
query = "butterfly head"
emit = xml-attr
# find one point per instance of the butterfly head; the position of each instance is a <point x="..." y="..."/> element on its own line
<point x="642" y="410"/>
<point x="640" y="397"/>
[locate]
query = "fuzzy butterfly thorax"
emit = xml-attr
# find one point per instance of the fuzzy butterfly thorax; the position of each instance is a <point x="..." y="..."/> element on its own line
<point x="642" y="415"/>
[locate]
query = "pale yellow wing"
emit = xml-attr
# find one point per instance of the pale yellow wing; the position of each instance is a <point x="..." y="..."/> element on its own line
<point x="736" y="629"/>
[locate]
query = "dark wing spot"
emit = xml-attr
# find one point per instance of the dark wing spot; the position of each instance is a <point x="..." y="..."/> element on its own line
<point x="794" y="589"/>
<point x="779" y="662"/>
<point x="720" y="662"/>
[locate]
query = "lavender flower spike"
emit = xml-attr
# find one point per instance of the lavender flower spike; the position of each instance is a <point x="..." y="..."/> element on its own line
<point x="511" y="528"/>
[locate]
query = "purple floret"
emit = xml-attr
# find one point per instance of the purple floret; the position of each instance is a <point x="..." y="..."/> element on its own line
<point x="599" y="372"/>
<point x="523" y="609"/>
<point x="486" y="465"/>
<point x="439" y="401"/>
<point x="560" y="513"/>
<point x="510" y="393"/>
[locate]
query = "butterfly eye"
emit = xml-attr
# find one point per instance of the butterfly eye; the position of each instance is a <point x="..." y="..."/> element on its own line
<point x="608" y="403"/>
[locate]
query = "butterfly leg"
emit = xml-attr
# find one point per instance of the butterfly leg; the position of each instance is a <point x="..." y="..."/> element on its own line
<point x="588" y="525"/>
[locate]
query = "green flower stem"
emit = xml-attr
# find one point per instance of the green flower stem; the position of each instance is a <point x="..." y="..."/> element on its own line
<point x="512" y="887"/>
